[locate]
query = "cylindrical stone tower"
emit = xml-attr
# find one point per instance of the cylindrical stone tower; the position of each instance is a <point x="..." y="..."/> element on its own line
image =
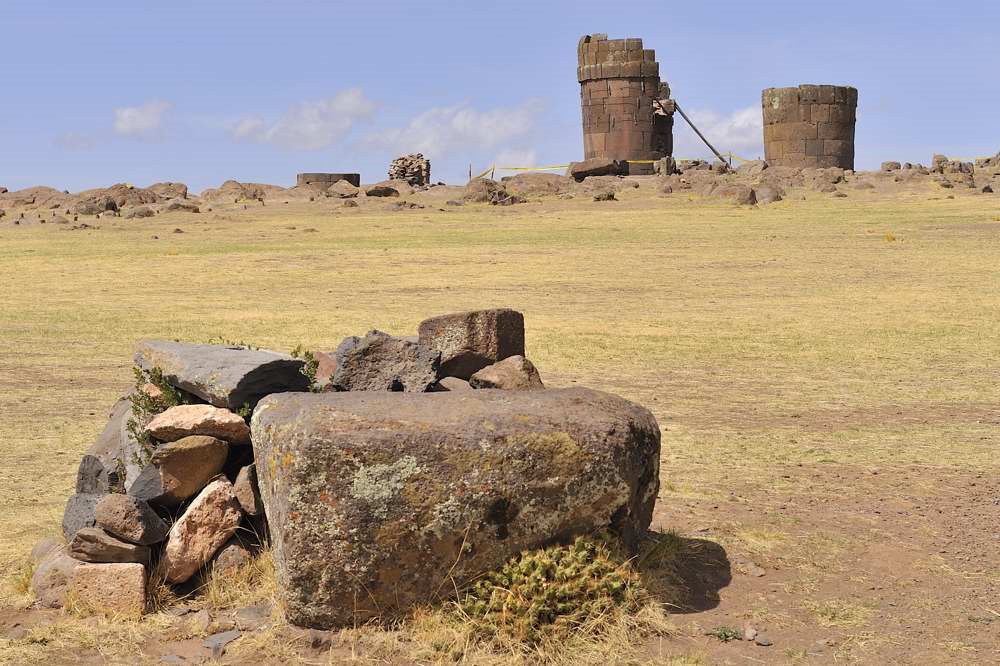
<point x="620" y="94"/>
<point x="810" y="126"/>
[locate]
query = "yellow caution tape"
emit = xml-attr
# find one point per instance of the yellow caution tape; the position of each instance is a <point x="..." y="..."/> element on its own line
<point x="488" y="169"/>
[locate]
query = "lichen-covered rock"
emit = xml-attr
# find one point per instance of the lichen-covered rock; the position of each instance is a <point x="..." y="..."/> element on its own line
<point x="208" y="522"/>
<point x="379" y="501"/>
<point x="382" y="362"/>
<point x="514" y="373"/>
<point x="130" y="519"/>
<point x="113" y="589"/>
<point x="184" y="420"/>
<point x="180" y="469"/>
<point x="470" y="341"/>
<point x="225" y="376"/>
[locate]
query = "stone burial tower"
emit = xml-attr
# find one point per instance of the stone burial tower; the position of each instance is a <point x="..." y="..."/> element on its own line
<point x="810" y="126"/>
<point x="627" y="111"/>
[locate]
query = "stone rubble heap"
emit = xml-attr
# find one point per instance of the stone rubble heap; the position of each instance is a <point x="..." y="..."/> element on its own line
<point x="414" y="169"/>
<point x="404" y="443"/>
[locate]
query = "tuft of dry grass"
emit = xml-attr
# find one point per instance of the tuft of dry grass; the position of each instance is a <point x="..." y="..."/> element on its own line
<point x="253" y="582"/>
<point x="839" y="613"/>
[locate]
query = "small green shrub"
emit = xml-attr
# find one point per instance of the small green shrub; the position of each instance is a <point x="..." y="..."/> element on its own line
<point x="311" y="366"/>
<point x="552" y="593"/>
<point x="725" y="634"/>
<point x="146" y="406"/>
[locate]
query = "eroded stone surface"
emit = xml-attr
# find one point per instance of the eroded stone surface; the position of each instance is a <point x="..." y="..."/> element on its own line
<point x="185" y="420"/>
<point x="130" y="519"/>
<point x="382" y="362"/>
<point x="230" y="377"/>
<point x="180" y="469"/>
<point x="209" y="521"/>
<point x="50" y="582"/>
<point x="376" y="500"/>
<point x="514" y="373"/>
<point x="470" y="341"/>
<point x="79" y="512"/>
<point x="93" y="544"/>
<point x="245" y="489"/>
<point x="116" y="590"/>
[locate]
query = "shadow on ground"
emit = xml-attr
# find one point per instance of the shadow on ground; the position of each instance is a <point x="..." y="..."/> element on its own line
<point x="685" y="574"/>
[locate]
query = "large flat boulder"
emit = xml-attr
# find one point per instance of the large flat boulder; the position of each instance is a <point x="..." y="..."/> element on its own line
<point x="470" y="341"/>
<point x="383" y="362"/>
<point x="381" y="501"/>
<point x="224" y="376"/>
<point x="597" y="166"/>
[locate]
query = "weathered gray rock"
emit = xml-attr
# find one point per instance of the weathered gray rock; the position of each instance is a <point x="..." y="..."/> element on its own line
<point x="229" y="377"/>
<point x="381" y="190"/>
<point x="342" y="189"/>
<point x="210" y="520"/>
<point x="514" y="373"/>
<point x="102" y="467"/>
<point x="50" y="582"/>
<point x="379" y="501"/>
<point x="470" y="341"/>
<point x="92" y="544"/>
<point x="382" y="362"/>
<point x="180" y="469"/>
<point x="765" y="194"/>
<point x="245" y="489"/>
<point x="113" y="589"/>
<point x="598" y="166"/>
<point x="184" y="420"/>
<point x="79" y="512"/>
<point x="130" y="519"/>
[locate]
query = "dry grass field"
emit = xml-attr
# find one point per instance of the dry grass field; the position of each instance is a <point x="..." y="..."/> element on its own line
<point x="826" y="373"/>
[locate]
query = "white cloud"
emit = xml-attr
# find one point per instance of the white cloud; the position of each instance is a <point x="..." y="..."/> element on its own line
<point x="309" y="125"/>
<point x="441" y="131"/>
<point x="740" y="132"/>
<point x="76" y="141"/>
<point x="141" y="121"/>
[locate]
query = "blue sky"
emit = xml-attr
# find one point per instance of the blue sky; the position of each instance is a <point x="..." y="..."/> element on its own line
<point x="102" y="92"/>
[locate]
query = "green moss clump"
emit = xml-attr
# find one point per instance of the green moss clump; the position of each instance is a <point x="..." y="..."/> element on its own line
<point x="146" y="406"/>
<point x="550" y="593"/>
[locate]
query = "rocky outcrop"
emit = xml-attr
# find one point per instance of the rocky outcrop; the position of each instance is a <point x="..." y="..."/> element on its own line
<point x="414" y="169"/>
<point x="225" y="376"/>
<point x="380" y="501"/>
<point x="470" y="341"/>
<point x="598" y="166"/>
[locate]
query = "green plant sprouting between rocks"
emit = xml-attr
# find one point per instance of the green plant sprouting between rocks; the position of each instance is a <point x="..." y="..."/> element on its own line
<point x="311" y="366"/>
<point x="551" y="593"/>
<point x="148" y="403"/>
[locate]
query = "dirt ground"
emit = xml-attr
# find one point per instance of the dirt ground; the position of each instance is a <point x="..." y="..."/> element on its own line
<point x="825" y="372"/>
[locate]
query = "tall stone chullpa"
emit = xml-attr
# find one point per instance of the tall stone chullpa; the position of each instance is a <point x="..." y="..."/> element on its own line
<point x="627" y="111"/>
<point x="810" y="126"/>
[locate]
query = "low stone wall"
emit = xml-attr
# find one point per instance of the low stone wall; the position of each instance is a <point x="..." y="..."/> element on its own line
<point x="447" y="437"/>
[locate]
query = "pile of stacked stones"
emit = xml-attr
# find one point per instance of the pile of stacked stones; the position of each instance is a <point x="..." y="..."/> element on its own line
<point x="169" y="491"/>
<point x="414" y="169"/>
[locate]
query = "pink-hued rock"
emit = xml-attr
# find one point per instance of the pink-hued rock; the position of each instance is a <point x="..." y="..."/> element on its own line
<point x="117" y="590"/>
<point x="515" y="373"/>
<point x="210" y="520"/>
<point x="50" y="582"/>
<point x="184" y="420"/>
<point x="230" y="557"/>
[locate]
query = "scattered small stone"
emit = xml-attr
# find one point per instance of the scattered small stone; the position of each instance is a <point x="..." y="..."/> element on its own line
<point x="607" y="195"/>
<point x="763" y="640"/>
<point x="514" y="373"/>
<point x="252" y="618"/>
<point x="749" y="633"/>
<point x="218" y="642"/>
<point x="320" y="640"/>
